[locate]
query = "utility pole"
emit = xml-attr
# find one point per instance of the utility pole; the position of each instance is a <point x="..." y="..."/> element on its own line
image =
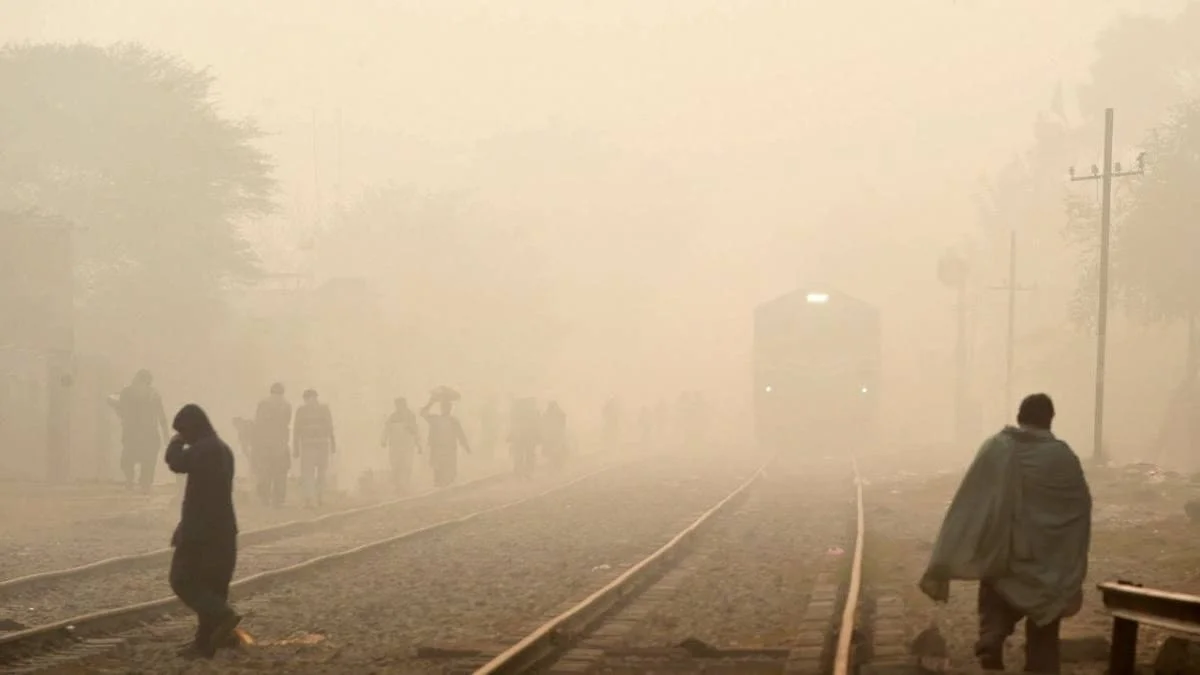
<point x="1012" y="288"/>
<point x="1105" y="177"/>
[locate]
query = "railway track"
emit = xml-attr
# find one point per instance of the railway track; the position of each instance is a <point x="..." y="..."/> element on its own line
<point x="613" y="629"/>
<point x="132" y="586"/>
<point x="384" y="611"/>
<point x="66" y="530"/>
<point x="9" y="587"/>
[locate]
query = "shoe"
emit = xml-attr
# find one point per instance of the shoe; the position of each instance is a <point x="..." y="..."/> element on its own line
<point x="223" y="633"/>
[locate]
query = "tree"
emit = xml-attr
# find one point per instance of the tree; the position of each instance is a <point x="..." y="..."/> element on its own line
<point x="1160" y="230"/>
<point x="129" y="145"/>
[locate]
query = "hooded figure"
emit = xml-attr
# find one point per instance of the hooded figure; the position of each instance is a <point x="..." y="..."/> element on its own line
<point x="205" y="540"/>
<point x="1020" y="524"/>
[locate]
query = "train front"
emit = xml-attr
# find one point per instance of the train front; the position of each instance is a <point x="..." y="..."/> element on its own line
<point x="816" y="372"/>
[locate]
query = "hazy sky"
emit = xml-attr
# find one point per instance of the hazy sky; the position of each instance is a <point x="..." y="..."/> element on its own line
<point x="774" y="140"/>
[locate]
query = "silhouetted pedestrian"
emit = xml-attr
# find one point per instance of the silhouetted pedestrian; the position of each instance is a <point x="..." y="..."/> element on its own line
<point x="205" y="540"/>
<point x="403" y="442"/>
<point x="1020" y="524"/>
<point x="445" y="436"/>
<point x="143" y="429"/>
<point x="313" y="443"/>
<point x="272" y="422"/>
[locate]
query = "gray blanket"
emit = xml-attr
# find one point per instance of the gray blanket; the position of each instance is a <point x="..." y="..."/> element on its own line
<point x="1022" y="520"/>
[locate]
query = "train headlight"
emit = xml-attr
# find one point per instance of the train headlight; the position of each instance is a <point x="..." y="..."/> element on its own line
<point x="767" y="389"/>
<point x="863" y="390"/>
<point x="817" y="298"/>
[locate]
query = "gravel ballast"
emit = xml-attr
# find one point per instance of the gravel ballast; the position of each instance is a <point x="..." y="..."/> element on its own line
<point x="49" y="528"/>
<point x="65" y="598"/>
<point x="1139" y="533"/>
<point x="747" y="579"/>
<point x="485" y="583"/>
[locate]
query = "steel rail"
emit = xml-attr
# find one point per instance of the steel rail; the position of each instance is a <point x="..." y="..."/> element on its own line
<point x="76" y="627"/>
<point x="248" y="538"/>
<point x="842" y="657"/>
<point x="559" y="633"/>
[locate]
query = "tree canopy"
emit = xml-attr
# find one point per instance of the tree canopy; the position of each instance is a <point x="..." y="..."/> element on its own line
<point x="129" y="145"/>
<point x="1146" y="68"/>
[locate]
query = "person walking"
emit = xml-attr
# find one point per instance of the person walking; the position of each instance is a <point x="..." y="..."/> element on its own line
<point x="205" y="541"/>
<point x="403" y="442"/>
<point x="313" y="443"/>
<point x="272" y="423"/>
<point x="1020" y="524"/>
<point x="143" y="429"/>
<point x="445" y="436"/>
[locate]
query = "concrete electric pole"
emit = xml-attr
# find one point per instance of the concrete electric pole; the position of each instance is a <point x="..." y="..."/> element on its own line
<point x="1105" y="177"/>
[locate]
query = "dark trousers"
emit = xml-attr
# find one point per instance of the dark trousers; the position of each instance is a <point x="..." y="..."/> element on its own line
<point x="998" y="619"/>
<point x="200" y="576"/>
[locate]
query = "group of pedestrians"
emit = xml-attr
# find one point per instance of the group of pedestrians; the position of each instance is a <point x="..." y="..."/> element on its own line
<point x="205" y="540"/>
<point x="277" y="436"/>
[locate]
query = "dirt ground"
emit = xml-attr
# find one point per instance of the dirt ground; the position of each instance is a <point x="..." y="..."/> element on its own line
<point x="1139" y="534"/>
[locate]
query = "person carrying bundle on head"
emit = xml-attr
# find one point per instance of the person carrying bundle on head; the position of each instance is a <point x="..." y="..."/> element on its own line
<point x="445" y="436"/>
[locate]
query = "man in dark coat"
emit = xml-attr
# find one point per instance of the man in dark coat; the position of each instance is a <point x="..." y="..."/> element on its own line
<point x="143" y="429"/>
<point x="205" y="540"/>
<point x="272" y="422"/>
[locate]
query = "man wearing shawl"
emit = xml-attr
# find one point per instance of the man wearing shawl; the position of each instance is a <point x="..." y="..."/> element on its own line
<point x="1020" y="524"/>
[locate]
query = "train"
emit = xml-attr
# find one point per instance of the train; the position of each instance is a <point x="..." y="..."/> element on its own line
<point x="817" y="355"/>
